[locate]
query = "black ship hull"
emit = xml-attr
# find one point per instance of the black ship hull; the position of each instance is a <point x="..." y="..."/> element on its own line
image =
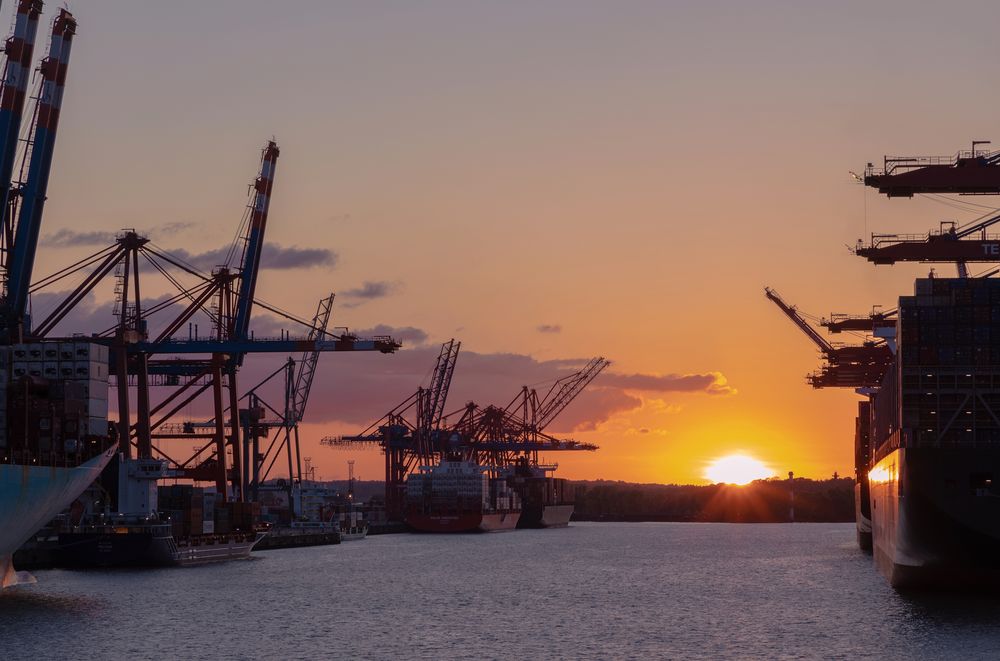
<point x="81" y="550"/>
<point x="863" y="514"/>
<point x="936" y="517"/>
<point x="149" y="546"/>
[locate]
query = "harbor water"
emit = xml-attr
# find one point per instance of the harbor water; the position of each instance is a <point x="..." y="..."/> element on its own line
<point x="594" y="591"/>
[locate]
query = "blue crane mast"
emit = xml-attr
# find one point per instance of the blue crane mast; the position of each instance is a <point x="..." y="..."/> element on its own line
<point x="19" y="50"/>
<point x="32" y="194"/>
<point x="42" y="141"/>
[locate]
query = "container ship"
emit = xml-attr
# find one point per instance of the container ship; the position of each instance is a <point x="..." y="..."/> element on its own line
<point x="189" y="525"/>
<point x="54" y="437"/>
<point x="935" y="430"/>
<point x="460" y="496"/>
<point x="546" y="501"/>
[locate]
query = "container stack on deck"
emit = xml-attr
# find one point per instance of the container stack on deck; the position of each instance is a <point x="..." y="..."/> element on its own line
<point x="944" y="387"/>
<point x="56" y="396"/>
<point x="196" y="511"/>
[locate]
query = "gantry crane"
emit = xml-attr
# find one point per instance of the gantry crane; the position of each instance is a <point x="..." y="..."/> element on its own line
<point x="972" y="172"/>
<point x="854" y="366"/>
<point x="197" y="364"/>
<point x="409" y="443"/>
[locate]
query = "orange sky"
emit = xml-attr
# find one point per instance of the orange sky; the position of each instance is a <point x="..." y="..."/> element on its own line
<point x="634" y="174"/>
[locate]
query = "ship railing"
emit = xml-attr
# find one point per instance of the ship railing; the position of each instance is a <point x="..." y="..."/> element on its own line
<point x="879" y="240"/>
<point x="892" y="163"/>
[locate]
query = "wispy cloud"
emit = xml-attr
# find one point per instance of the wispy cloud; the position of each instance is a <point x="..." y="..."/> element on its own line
<point x="273" y="257"/>
<point x="368" y="291"/>
<point x="67" y="238"/>
<point x="549" y="328"/>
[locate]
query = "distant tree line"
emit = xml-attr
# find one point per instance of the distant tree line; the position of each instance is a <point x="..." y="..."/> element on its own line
<point x="762" y="501"/>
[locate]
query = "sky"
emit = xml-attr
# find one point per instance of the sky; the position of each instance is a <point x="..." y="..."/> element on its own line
<point x="544" y="181"/>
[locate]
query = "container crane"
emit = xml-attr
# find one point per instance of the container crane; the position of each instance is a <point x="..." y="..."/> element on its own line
<point x="143" y="358"/>
<point x="972" y="172"/>
<point x="407" y="444"/>
<point x="847" y="366"/>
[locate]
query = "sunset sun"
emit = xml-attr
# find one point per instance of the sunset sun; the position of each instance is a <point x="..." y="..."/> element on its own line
<point x="737" y="469"/>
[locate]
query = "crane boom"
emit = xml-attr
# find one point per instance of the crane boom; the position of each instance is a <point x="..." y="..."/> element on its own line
<point x="565" y="391"/>
<point x="969" y="243"/>
<point x="434" y="398"/>
<point x="969" y="172"/>
<point x="42" y="141"/>
<point x="794" y="315"/>
<point x="20" y="48"/>
<point x="250" y="264"/>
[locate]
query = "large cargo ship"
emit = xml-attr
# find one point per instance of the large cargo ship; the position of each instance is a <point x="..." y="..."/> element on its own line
<point x="935" y="430"/>
<point x="460" y="496"/>
<point x="546" y="501"/>
<point x="53" y="436"/>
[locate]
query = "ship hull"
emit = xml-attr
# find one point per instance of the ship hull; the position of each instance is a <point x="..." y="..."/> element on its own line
<point x="30" y="496"/>
<point x="936" y="517"/>
<point x="462" y="522"/>
<point x="150" y="548"/>
<point x="862" y="515"/>
<point x="545" y="516"/>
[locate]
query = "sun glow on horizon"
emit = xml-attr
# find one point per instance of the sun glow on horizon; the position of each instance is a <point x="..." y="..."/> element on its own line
<point x="737" y="469"/>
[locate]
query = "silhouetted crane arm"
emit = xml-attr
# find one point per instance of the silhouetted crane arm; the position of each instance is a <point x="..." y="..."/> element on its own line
<point x="803" y="325"/>
<point x="565" y="391"/>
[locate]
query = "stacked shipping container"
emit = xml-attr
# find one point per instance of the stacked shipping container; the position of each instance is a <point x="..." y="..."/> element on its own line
<point x="56" y="396"/>
<point x="944" y="387"/>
